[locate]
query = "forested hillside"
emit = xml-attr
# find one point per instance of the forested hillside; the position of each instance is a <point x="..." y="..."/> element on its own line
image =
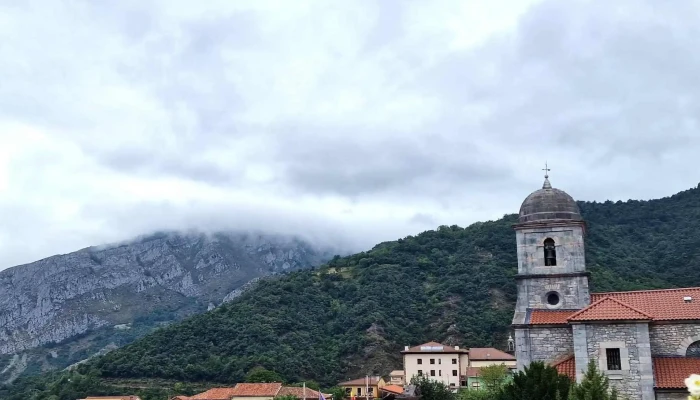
<point x="353" y="315"/>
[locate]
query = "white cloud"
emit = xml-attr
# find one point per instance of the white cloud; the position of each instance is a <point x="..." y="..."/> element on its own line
<point x="356" y="121"/>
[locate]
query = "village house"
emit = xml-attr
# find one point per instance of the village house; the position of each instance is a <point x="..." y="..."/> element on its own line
<point x="397" y="378"/>
<point x="366" y="388"/>
<point x="646" y="342"/>
<point x="255" y="391"/>
<point x="453" y="366"/>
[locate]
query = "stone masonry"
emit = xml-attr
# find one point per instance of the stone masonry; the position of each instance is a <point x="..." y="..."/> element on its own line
<point x="673" y="339"/>
<point x="550" y="344"/>
<point x="635" y="380"/>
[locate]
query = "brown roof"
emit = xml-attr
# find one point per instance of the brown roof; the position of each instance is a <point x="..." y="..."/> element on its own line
<point x="373" y="380"/>
<point x="215" y="394"/>
<point x="256" y="389"/>
<point x="489" y="353"/>
<point x="396" y="389"/>
<point x="473" y="372"/>
<point x="550" y="317"/>
<point x="298" y="392"/>
<point x="670" y="372"/>
<point x="180" y="398"/>
<point x="433" y="347"/>
<point x="661" y="305"/>
<point x="610" y="309"/>
<point x="566" y="366"/>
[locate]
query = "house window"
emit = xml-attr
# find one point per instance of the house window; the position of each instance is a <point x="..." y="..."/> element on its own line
<point x="440" y="361"/>
<point x="440" y="372"/>
<point x="464" y="383"/>
<point x="476" y="385"/>
<point x="550" y="253"/>
<point x="432" y="372"/>
<point x="693" y="350"/>
<point x="370" y="391"/>
<point x="359" y="391"/>
<point x="454" y="361"/>
<point x="420" y="372"/>
<point x="420" y="361"/>
<point x="348" y="391"/>
<point x="432" y="361"/>
<point x="614" y="359"/>
<point x="454" y="372"/>
<point x="452" y="384"/>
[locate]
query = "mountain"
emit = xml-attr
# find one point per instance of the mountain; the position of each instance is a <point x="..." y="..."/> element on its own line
<point x="354" y="314"/>
<point x="60" y="310"/>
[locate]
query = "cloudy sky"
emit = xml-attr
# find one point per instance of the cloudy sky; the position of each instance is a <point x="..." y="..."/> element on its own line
<point x="359" y="121"/>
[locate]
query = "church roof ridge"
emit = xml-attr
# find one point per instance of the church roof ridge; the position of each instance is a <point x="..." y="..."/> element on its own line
<point x="595" y="312"/>
<point x="645" y="291"/>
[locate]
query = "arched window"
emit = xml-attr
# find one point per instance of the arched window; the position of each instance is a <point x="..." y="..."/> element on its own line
<point x="550" y="252"/>
<point x="693" y="350"/>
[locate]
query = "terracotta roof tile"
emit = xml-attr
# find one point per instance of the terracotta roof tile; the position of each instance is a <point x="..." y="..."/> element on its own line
<point x="298" y="392"/>
<point x="256" y="389"/>
<point x="661" y="305"/>
<point x="670" y="372"/>
<point x="396" y="389"/>
<point x="433" y="347"/>
<point x="373" y="380"/>
<point x="214" y="394"/>
<point x="550" y="317"/>
<point x="473" y="372"/>
<point x="566" y="366"/>
<point x="489" y="353"/>
<point x="609" y="309"/>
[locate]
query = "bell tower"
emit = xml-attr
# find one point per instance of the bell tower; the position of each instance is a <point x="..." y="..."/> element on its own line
<point x="552" y="272"/>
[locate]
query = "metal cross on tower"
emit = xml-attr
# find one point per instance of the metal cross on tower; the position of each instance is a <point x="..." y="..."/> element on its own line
<point x="546" y="170"/>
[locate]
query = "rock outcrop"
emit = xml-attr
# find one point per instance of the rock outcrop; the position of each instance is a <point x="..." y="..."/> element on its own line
<point x="154" y="280"/>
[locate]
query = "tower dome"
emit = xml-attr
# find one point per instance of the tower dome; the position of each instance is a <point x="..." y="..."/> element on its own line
<point x="548" y="204"/>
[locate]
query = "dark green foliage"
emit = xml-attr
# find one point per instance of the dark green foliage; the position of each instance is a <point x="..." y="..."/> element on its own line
<point x="431" y="389"/>
<point x="593" y="386"/>
<point x="352" y="316"/>
<point x="537" y="382"/>
<point x="336" y="392"/>
<point x="262" y="375"/>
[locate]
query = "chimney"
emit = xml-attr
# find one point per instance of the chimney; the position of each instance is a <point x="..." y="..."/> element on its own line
<point x="456" y="347"/>
<point x="687" y="299"/>
<point x="405" y="348"/>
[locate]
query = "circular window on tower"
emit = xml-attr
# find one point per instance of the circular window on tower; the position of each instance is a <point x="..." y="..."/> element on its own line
<point x="553" y="299"/>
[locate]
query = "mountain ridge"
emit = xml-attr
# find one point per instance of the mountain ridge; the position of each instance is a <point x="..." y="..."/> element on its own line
<point x="150" y="280"/>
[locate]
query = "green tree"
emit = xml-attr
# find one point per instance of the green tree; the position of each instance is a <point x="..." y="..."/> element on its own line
<point x="286" y="397"/>
<point x="467" y="394"/>
<point x="338" y="393"/>
<point x="262" y="375"/>
<point x="593" y="386"/>
<point x="494" y="377"/>
<point x="431" y="389"/>
<point x="537" y="382"/>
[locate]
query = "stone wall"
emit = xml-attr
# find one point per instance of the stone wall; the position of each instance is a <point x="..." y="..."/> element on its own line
<point x="549" y="344"/>
<point x="672" y="396"/>
<point x="672" y="339"/>
<point x="636" y="380"/>
<point x="568" y="241"/>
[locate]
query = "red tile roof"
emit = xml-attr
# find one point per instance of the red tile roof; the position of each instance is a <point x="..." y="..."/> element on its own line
<point x="433" y="347"/>
<point x="489" y="353"/>
<point x="215" y="394"/>
<point x="396" y="389"/>
<point x="373" y="380"/>
<point x="550" y="317"/>
<point x="473" y="372"/>
<point x="256" y="389"/>
<point x="670" y="372"/>
<point x="661" y="305"/>
<point x="610" y="309"/>
<point x="566" y="366"/>
<point x="298" y="392"/>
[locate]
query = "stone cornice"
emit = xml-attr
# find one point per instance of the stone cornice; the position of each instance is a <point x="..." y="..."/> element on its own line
<point x="559" y="275"/>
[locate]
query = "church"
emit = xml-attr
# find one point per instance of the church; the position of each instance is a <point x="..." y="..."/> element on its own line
<point x="647" y="342"/>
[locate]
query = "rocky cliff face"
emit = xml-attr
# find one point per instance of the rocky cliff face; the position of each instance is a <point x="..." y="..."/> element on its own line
<point x="146" y="282"/>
